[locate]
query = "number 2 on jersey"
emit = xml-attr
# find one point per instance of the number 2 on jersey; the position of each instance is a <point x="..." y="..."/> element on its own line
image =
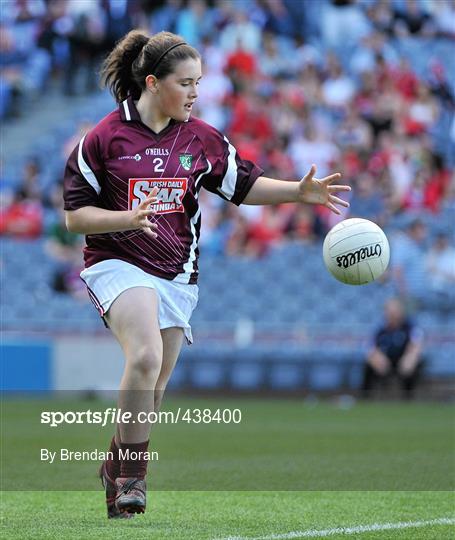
<point x="158" y="165"/>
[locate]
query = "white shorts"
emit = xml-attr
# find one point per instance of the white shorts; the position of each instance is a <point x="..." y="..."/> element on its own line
<point x="106" y="280"/>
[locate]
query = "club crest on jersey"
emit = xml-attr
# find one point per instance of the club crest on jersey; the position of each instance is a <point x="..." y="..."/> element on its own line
<point x="185" y="161"/>
<point x="171" y="192"/>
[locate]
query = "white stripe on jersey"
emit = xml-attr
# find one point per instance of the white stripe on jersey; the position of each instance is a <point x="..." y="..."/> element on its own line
<point x="127" y="110"/>
<point x="87" y="172"/>
<point x="227" y="187"/>
<point x="188" y="267"/>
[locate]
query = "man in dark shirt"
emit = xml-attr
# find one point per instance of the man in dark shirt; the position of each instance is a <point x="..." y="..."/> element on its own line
<point x="396" y="351"/>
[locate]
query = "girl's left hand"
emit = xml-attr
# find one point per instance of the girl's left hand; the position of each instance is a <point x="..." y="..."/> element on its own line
<point x="314" y="191"/>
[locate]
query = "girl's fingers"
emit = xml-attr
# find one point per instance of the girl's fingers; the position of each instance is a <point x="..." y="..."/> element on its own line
<point x="147" y="212"/>
<point x="149" y="233"/>
<point x="148" y="224"/>
<point x="337" y="200"/>
<point x="331" y="178"/>
<point x="150" y="199"/>
<point x="335" y="188"/>
<point x="333" y="208"/>
<point x="149" y="228"/>
<point x="153" y="193"/>
<point x="311" y="172"/>
<point x="147" y="202"/>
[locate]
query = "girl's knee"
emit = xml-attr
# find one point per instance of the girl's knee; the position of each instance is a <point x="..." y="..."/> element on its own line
<point x="146" y="361"/>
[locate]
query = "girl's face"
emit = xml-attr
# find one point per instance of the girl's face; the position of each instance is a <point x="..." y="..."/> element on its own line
<point x="177" y="92"/>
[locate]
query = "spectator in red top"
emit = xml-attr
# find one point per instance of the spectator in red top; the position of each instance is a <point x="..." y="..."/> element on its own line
<point x="23" y="218"/>
<point x="279" y="160"/>
<point x="259" y="236"/>
<point x="250" y="117"/>
<point x="302" y="224"/>
<point x="241" y="63"/>
<point x="423" y="112"/>
<point x="429" y="188"/>
<point x="405" y="80"/>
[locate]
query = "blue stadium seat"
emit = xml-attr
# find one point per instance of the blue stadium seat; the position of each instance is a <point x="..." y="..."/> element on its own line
<point x="246" y="375"/>
<point x="325" y="377"/>
<point x="208" y="375"/>
<point x="286" y="376"/>
<point x="441" y="361"/>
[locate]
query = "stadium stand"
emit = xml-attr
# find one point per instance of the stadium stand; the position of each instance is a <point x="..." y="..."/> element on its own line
<point x="269" y="315"/>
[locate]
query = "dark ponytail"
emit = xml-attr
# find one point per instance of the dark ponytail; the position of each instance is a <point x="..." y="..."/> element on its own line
<point x="116" y="73"/>
<point x="137" y="55"/>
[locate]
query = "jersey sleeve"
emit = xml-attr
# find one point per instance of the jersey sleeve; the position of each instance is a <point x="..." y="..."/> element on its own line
<point x="230" y="177"/>
<point x="83" y="174"/>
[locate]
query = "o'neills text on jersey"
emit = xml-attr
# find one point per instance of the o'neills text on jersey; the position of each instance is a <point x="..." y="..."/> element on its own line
<point x="157" y="151"/>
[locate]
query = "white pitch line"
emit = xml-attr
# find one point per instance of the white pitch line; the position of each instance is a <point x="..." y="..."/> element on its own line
<point x="314" y="533"/>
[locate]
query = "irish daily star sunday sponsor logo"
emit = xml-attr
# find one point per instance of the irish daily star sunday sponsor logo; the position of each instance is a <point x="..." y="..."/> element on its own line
<point x="170" y="193"/>
<point x="185" y="161"/>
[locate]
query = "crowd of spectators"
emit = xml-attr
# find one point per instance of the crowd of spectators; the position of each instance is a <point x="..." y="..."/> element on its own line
<point x="291" y="83"/>
<point x="46" y="41"/>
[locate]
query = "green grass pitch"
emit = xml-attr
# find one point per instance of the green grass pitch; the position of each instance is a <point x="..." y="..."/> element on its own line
<point x="288" y="470"/>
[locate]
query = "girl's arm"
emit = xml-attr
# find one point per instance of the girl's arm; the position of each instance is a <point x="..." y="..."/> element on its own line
<point x="308" y="190"/>
<point x="93" y="220"/>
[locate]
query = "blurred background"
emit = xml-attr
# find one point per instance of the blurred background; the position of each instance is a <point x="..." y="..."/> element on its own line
<point x="364" y="87"/>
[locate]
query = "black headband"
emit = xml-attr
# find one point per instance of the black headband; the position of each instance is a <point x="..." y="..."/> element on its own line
<point x="156" y="64"/>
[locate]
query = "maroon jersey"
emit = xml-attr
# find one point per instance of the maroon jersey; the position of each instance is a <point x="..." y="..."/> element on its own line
<point x="116" y="165"/>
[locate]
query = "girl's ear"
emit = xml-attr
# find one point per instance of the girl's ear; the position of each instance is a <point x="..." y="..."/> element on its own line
<point x="151" y="83"/>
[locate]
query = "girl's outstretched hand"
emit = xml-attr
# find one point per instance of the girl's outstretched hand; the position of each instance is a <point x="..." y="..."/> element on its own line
<point x="315" y="191"/>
